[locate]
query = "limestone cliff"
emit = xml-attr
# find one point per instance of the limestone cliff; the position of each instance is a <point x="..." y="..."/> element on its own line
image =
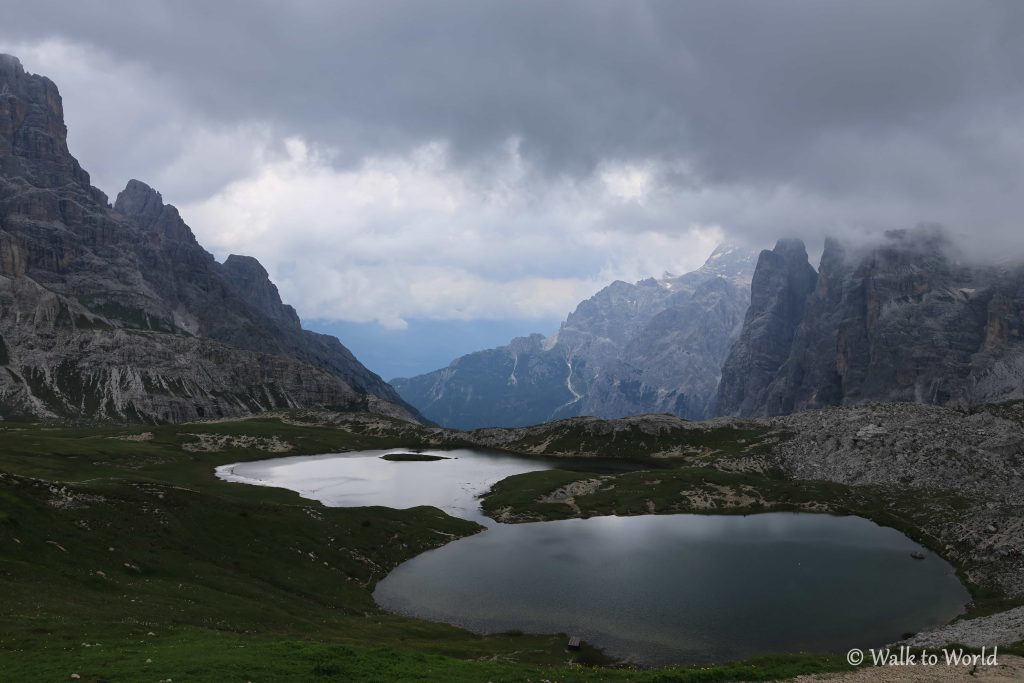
<point x="779" y="289"/>
<point x="118" y="312"/>
<point x="901" y="320"/>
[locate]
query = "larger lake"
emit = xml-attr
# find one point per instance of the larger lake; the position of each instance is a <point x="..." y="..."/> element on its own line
<point x="654" y="589"/>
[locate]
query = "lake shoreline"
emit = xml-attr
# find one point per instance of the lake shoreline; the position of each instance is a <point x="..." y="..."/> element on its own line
<point x="746" y="500"/>
<point x="952" y="515"/>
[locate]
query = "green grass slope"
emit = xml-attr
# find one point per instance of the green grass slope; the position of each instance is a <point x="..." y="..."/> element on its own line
<point x="127" y="560"/>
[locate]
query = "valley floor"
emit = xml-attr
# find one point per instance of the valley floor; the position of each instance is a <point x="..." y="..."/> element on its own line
<point x="122" y="557"/>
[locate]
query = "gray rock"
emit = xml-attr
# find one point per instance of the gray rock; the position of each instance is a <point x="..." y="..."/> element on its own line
<point x="904" y="320"/>
<point x="936" y="451"/>
<point x="118" y="312"/>
<point x="1004" y="628"/>
<point x="652" y="346"/>
<point x="518" y="384"/>
<point x="250" y="280"/>
<point x="780" y="287"/>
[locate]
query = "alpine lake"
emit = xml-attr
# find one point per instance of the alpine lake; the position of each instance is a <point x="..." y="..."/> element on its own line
<point x="649" y="589"/>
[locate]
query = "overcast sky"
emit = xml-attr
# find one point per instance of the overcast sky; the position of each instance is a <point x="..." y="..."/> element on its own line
<point x="480" y="160"/>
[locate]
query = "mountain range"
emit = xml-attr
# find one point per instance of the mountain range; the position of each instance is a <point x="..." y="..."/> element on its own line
<point x="904" y="319"/>
<point x="652" y="346"/>
<point x="117" y="311"/>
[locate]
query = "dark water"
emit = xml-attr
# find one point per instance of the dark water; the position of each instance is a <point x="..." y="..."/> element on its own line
<point x="654" y="589"/>
<point x="663" y="589"/>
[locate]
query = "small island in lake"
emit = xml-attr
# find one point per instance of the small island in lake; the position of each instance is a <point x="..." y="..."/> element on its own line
<point x="412" y="457"/>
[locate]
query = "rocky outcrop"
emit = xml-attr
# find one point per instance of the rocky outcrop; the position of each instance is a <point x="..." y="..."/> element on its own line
<point x="118" y="312"/>
<point x="652" y="346"/>
<point x="33" y="138"/>
<point x="903" y="320"/>
<point x="978" y="452"/>
<point x="974" y="455"/>
<point x="250" y="280"/>
<point x="672" y="364"/>
<point x="779" y="290"/>
<point x="1003" y="628"/>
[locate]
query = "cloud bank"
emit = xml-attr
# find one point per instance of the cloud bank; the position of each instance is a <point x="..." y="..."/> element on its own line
<point x="465" y="160"/>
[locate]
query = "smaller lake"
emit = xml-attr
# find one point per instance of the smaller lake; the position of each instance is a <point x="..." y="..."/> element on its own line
<point x="363" y="478"/>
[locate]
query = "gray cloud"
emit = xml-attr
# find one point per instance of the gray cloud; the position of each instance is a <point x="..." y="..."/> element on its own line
<point x="744" y="87"/>
<point x="803" y="118"/>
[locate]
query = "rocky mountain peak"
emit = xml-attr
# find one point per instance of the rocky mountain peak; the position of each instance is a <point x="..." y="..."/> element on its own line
<point x="728" y="261"/>
<point x="11" y="64"/>
<point x="33" y="138"/>
<point x="139" y="200"/>
<point x="782" y="283"/>
<point x="894" y="319"/>
<point x="162" y="224"/>
<point x="652" y="346"/>
<point x="833" y="255"/>
<point x="782" y="279"/>
<point x="246" y="267"/>
<point x="791" y="248"/>
<point x="252" y="282"/>
<point x="529" y="343"/>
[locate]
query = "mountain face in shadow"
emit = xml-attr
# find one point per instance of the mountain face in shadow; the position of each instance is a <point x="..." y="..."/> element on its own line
<point x="904" y="320"/>
<point x="118" y="312"/>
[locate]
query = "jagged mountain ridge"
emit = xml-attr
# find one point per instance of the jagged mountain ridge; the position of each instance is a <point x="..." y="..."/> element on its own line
<point x="904" y="321"/>
<point x="118" y="312"/>
<point x="652" y="346"/>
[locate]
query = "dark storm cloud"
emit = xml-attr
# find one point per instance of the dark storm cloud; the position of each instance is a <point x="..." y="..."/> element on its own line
<point x="748" y="90"/>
